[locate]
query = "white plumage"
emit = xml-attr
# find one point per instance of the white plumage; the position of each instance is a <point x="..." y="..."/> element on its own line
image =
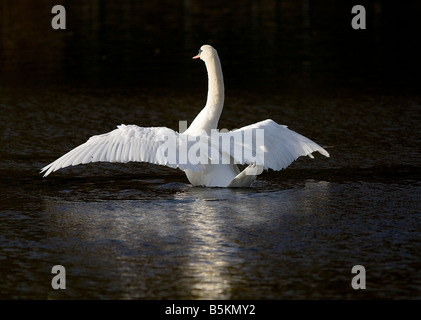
<point x="278" y="148"/>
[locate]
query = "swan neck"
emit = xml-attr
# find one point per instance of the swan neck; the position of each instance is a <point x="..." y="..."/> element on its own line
<point x="208" y="118"/>
<point x="215" y="99"/>
<point x="215" y="81"/>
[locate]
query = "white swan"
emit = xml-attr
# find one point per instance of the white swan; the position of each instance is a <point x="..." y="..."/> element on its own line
<point x="278" y="148"/>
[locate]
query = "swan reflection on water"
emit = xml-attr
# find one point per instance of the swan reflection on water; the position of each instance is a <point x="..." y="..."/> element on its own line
<point x="198" y="243"/>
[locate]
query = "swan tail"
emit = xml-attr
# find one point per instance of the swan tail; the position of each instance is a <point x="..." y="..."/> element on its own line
<point x="246" y="177"/>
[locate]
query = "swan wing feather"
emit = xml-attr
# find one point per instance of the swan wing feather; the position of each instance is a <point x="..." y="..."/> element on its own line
<point x="124" y="144"/>
<point x="279" y="148"/>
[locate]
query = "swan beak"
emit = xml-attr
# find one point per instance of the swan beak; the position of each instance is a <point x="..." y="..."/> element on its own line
<point x="196" y="57"/>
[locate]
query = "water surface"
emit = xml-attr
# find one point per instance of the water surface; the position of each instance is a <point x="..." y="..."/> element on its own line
<point x="139" y="231"/>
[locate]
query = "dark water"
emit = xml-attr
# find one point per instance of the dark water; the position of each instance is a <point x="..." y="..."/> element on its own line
<point x="138" y="231"/>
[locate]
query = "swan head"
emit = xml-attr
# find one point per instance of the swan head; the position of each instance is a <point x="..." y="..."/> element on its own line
<point x="206" y="52"/>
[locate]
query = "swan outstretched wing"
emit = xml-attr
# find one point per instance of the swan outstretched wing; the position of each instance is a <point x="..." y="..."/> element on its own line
<point x="124" y="144"/>
<point x="265" y="144"/>
<point x="278" y="148"/>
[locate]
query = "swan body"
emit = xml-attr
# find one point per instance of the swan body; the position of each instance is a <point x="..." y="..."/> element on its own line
<point x="274" y="146"/>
